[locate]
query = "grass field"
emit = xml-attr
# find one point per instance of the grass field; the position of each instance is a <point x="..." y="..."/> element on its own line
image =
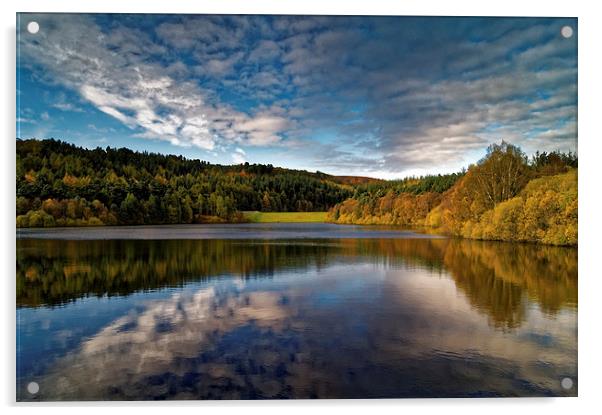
<point x="271" y="217"/>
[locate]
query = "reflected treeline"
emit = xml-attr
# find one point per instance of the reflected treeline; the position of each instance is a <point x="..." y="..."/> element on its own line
<point x="495" y="277"/>
<point x="52" y="272"/>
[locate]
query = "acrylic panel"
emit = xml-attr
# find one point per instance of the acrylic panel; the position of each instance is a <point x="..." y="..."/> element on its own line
<point x="216" y="207"/>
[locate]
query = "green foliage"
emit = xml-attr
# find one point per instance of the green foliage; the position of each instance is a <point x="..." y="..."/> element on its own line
<point x="35" y="219"/>
<point x="119" y="186"/>
<point x="548" y="164"/>
<point x="413" y="185"/>
<point x="284" y="217"/>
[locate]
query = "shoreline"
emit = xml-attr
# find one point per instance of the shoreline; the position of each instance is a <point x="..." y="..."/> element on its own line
<point x="22" y="233"/>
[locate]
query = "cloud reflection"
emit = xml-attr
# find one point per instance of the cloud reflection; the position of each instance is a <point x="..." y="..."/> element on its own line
<point x="347" y="330"/>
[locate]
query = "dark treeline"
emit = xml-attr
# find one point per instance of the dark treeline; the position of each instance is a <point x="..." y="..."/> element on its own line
<point x="59" y="184"/>
<point x="414" y="185"/>
<point x="505" y="196"/>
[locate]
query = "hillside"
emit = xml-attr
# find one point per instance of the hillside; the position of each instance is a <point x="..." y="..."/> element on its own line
<point x="60" y="184"/>
<point x="505" y="196"/>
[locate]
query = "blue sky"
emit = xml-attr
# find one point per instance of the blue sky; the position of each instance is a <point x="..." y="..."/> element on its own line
<point x="376" y="96"/>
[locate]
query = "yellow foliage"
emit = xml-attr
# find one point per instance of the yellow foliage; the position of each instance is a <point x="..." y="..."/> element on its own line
<point x="434" y="219"/>
<point x="404" y="209"/>
<point x="73" y="181"/>
<point x="30" y="177"/>
<point x="70" y="180"/>
<point x="545" y="211"/>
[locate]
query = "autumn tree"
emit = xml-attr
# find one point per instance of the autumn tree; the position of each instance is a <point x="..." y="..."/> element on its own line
<point x="501" y="174"/>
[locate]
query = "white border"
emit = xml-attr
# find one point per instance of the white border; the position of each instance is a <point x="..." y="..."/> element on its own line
<point x="590" y="70"/>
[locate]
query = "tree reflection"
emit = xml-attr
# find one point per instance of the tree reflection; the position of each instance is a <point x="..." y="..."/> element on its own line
<point x="495" y="277"/>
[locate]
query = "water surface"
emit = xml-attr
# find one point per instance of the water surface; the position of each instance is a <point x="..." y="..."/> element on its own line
<point x="225" y="231"/>
<point x="290" y="311"/>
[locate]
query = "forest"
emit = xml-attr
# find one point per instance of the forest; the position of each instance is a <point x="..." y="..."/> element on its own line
<point x="59" y="184"/>
<point x="505" y="196"/>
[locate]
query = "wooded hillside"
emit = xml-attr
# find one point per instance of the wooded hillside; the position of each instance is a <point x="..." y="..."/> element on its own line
<point x="505" y="196"/>
<point x="59" y="184"/>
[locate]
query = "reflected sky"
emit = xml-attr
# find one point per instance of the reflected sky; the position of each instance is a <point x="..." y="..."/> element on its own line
<point x="350" y="319"/>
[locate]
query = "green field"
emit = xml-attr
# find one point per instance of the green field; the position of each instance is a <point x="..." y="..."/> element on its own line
<point x="271" y="217"/>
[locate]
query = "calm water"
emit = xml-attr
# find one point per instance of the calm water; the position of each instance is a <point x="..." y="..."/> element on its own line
<point x="290" y="311"/>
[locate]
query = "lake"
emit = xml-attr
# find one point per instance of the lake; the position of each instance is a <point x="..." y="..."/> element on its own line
<point x="265" y="311"/>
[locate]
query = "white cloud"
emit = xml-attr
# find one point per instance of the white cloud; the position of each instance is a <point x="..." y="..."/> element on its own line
<point x="368" y="82"/>
<point x="65" y="106"/>
<point x="239" y="156"/>
<point x="263" y="128"/>
<point x="140" y="92"/>
<point x="26" y="120"/>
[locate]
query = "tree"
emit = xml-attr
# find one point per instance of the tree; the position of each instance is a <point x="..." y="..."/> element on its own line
<point x="23" y="205"/>
<point x="130" y="211"/>
<point x="501" y="174"/>
<point x="201" y="204"/>
<point x="266" y="203"/>
<point x="173" y="209"/>
<point x="186" y="209"/>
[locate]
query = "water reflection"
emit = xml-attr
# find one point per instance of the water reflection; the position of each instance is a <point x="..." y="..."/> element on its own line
<point x="298" y="319"/>
<point x="495" y="276"/>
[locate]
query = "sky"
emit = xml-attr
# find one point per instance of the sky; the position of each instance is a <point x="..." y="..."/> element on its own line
<point x="383" y="97"/>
